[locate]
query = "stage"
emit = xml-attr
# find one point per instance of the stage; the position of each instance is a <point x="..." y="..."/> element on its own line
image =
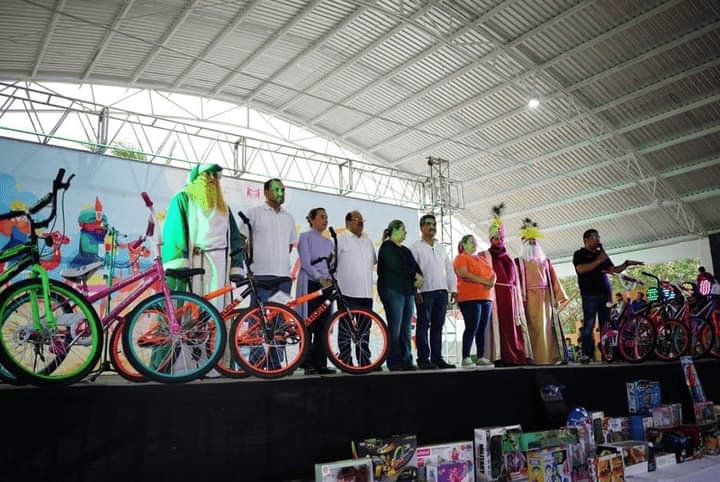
<point x="260" y="430"/>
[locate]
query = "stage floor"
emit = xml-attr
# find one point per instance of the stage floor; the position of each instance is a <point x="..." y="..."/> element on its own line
<point x="276" y="430"/>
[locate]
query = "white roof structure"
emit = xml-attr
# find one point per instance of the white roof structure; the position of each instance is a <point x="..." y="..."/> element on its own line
<point x="626" y="138"/>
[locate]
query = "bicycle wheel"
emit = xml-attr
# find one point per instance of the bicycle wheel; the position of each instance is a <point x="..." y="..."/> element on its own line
<point x="607" y="350"/>
<point x="119" y="360"/>
<point x="715" y="350"/>
<point x="636" y="339"/>
<point x="39" y="354"/>
<point x="161" y="355"/>
<point x="702" y="338"/>
<point x="356" y="340"/>
<point x="672" y="340"/>
<point x="227" y="365"/>
<point x="270" y="342"/>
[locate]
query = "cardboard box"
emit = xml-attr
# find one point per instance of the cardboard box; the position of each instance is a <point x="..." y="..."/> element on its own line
<point x="456" y="458"/>
<point x="618" y="429"/>
<point x="599" y="424"/>
<point x="488" y="453"/>
<point x="549" y="465"/>
<point x="639" y="425"/>
<point x="547" y="438"/>
<point x="580" y="452"/>
<point x="609" y="468"/>
<point x="667" y="415"/>
<point x="642" y="395"/>
<point x="664" y="460"/>
<point x="514" y="459"/>
<point x="634" y="453"/>
<point x="704" y="413"/>
<point x="359" y="470"/>
<point x="392" y="457"/>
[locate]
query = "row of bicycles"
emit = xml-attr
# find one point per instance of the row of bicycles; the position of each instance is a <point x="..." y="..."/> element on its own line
<point x="52" y="332"/>
<point x="680" y="321"/>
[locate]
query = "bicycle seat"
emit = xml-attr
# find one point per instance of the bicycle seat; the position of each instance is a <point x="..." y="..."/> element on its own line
<point x="269" y="282"/>
<point x="184" y="273"/>
<point x="77" y="275"/>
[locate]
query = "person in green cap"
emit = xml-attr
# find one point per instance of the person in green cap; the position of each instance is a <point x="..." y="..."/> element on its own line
<point x="200" y="232"/>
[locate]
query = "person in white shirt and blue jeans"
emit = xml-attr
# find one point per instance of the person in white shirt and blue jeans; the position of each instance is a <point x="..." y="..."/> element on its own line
<point x="439" y="288"/>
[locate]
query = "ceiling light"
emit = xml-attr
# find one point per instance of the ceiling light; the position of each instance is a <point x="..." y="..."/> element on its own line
<point x="533" y="103"/>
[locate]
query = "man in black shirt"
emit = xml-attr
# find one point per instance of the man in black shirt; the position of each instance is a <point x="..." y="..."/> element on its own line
<point x="591" y="265"/>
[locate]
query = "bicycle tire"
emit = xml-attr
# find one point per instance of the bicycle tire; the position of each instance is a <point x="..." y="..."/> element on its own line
<point x="702" y="338"/>
<point x="227" y="365"/>
<point x="633" y="333"/>
<point x="120" y="363"/>
<point x="7" y="377"/>
<point x="276" y="352"/>
<point x="174" y="358"/>
<point x="715" y="317"/>
<point x="357" y="345"/>
<point x="606" y="350"/>
<point x="672" y="340"/>
<point x="41" y="357"/>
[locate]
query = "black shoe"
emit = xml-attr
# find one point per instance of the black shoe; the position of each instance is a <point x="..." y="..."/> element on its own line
<point x="395" y="368"/>
<point x="310" y="371"/>
<point x="443" y="364"/>
<point x="584" y="360"/>
<point x="426" y="365"/>
<point x="409" y="368"/>
<point x="325" y="371"/>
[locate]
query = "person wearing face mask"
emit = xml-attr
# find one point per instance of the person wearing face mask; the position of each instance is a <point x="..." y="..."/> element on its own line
<point x="432" y="300"/>
<point x="313" y="245"/>
<point x="591" y="265"/>
<point x="475" y="279"/>
<point x="273" y="238"/>
<point x="399" y="278"/>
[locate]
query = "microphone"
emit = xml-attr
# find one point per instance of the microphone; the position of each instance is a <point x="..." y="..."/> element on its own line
<point x="599" y="247"/>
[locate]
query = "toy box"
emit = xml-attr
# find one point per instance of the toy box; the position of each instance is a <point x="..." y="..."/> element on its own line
<point x="618" y="429"/>
<point x="357" y="470"/>
<point x="609" y="468"/>
<point x="549" y="465"/>
<point x="667" y="415"/>
<point x="692" y="380"/>
<point x="580" y="452"/>
<point x="514" y="459"/>
<point x="545" y="439"/>
<point x="639" y="425"/>
<point x="457" y="458"/>
<point x="704" y="413"/>
<point x="599" y="424"/>
<point x="634" y="454"/>
<point x="488" y="453"/>
<point x="671" y="441"/>
<point x="393" y="458"/>
<point x="643" y="395"/>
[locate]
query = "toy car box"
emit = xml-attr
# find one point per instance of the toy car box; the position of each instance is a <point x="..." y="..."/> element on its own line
<point x="393" y="458"/>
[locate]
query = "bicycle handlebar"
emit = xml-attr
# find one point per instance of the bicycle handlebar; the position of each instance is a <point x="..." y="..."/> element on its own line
<point x="152" y="221"/>
<point x="50" y="199"/>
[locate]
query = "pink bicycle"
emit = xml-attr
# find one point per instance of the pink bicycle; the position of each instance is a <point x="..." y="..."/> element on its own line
<point x="50" y="334"/>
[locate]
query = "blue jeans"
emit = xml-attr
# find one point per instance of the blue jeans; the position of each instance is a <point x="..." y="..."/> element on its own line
<point x="398" y="311"/>
<point x="430" y="315"/>
<point x="476" y="314"/>
<point x="592" y="305"/>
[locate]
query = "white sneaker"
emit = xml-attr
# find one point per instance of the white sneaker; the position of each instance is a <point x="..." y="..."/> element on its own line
<point x="467" y="362"/>
<point x="484" y="362"/>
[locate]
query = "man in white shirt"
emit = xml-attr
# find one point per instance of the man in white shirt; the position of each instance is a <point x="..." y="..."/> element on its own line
<point x="273" y="238"/>
<point x="356" y="257"/>
<point x="432" y="299"/>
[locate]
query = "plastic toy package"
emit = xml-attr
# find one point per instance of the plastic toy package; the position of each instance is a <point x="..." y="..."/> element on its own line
<point x="353" y="470"/>
<point x="643" y="395"/>
<point x="393" y="458"/>
<point x="691" y="379"/>
<point x="453" y="461"/>
<point x="549" y="465"/>
<point x="489" y="453"/>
